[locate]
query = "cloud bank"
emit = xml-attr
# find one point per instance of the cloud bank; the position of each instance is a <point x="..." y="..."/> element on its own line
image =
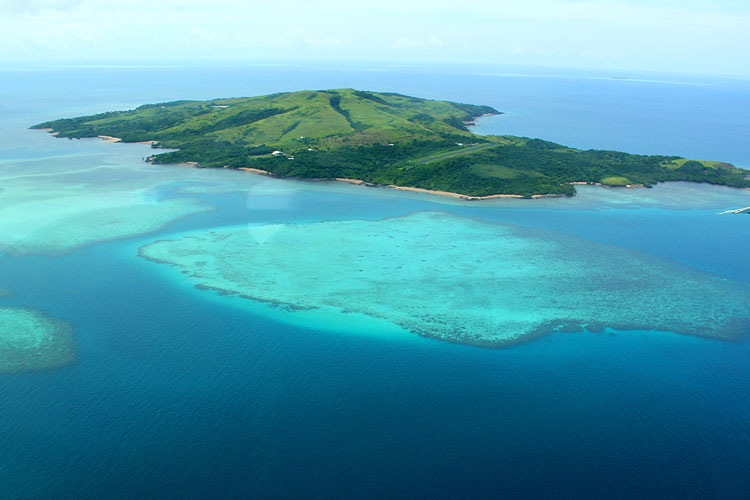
<point x="692" y="36"/>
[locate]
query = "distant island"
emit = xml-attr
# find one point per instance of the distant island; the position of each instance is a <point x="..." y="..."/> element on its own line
<point x="379" y="138"/>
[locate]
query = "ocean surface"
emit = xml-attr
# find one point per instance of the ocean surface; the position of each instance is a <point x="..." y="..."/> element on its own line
<point x="178" y="392"/>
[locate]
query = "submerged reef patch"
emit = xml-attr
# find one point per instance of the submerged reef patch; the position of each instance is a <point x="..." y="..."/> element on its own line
<point x="59" y="204"/>
<point x="460" y="279"/>
<point x="29" y="340"/>
<point x="88" y="223"/>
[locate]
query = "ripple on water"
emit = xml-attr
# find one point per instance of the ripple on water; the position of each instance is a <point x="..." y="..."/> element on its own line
<point x="460" y="279"/>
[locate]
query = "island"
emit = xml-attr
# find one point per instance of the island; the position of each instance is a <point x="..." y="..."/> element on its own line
<point x="379" y="139"/>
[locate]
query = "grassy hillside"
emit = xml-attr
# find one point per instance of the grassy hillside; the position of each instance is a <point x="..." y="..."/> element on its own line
<point x="382" y="138"/>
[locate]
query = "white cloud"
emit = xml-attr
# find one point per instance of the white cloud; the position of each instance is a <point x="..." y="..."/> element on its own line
<point x="296" y="37"/>
<point x="26" y="7"/>
<point x="431" y="41"/>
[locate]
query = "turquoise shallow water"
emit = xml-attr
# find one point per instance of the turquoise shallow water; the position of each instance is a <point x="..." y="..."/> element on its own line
<point x="457" y="278"/>
<point x="185" y="393"/>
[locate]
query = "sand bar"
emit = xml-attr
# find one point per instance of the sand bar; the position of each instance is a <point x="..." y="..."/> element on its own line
<point x="255" y="171"/>
<point x="109" y="138"/>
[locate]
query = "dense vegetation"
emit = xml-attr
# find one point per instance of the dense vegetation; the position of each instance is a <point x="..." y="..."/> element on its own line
<point x="382" y="138"/>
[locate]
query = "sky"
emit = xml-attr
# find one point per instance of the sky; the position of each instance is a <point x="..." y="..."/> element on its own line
<point x="689" y="36"/>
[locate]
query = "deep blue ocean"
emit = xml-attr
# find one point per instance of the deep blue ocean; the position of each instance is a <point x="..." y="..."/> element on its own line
<point x="179" y="393"/>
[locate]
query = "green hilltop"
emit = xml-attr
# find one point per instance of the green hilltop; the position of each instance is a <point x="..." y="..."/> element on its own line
<point x="380" y="138"/>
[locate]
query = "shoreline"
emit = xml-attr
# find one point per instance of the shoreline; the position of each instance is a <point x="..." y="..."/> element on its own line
<point x="255" y="171"/>
<point x="109" y="138"/>
<point x="113" y="139"/>
<point x="462" y="196"/>
<point x="360" y="182"/>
